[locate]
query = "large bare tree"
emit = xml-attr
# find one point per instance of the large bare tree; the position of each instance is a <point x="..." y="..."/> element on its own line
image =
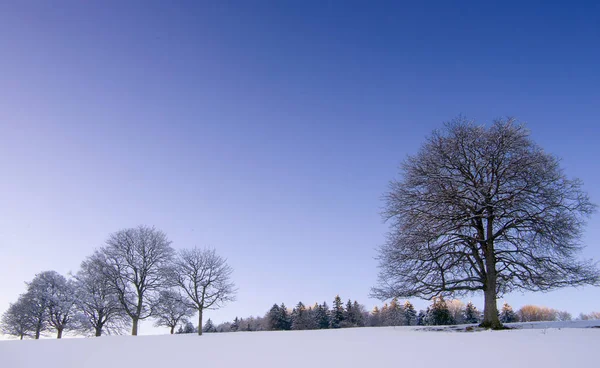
<point x="483" y="209"/>
<point x="135" y="261"/>
<point x="205" y="278"/>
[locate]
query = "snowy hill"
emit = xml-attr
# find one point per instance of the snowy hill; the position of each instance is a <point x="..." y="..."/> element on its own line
<point x="358" y="347"/>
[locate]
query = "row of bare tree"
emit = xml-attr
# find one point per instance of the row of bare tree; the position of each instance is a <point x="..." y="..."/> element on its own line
<point x="135" y="276"/>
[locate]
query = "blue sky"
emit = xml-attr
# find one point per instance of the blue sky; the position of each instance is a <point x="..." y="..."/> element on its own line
<point x="268" y="130"/>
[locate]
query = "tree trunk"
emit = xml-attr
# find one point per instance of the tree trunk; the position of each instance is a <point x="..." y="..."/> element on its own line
<point x="98" y="331"/>
<point x="490" y="310"/>
<point x="134" y="328"/>
<point x="199" y="322"/>
<point x="172" y="329"/>
<point x="21" y="337"/>
<point x="59" y="333"/>
<point x="37" y="332"/>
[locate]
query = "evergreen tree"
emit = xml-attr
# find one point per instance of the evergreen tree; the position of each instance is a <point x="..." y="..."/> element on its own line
<point x="422" y="318"/>
<point x="471" y="313"/>
<point x="337" y="313"/>
<point x="285" y="320"/>
<point x="349" y="315"/>
<point x="358" y="311"/>
<point x="507" y="315"/>
<point x="299" y="317"/>
<point x="322" y="316"/>
<point x="394" y="313"/>
<point x="385" y="315"/>
<point x="209" y="327"/>
<point x="235" y="325"/>
<point x="375" y="317"/>
<point x="410" y="314"/>
<point x="439" y="314"/>
<point x="273" y="318"/>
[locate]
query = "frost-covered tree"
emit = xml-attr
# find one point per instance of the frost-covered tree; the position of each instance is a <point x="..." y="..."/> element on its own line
<point x="457" y="310"/>
<point x="507" y="315"/>
<point x="135" y="261"/>
<point x="205" y="278"/>
<point x="209" y="326"/>
<point x="422" y="318"/>
<point x="17" y="320"/>
<point x="235" y="325"/>
<point x="300" y="317"/>
<point x="375" y="317"/>
<point x="322" y="316"/>
<point x="187" y="328"/>
<point x="171" y="309"/>
<point x="438" y="313"/>
<point x="337" y="312"/>
<point x="410" y="314"/>
<point x="96" y="299"/>
<point x="394" y="314"/>
<point x="483" y="209"/>
<point x="359" y="313"/>
<point x="58" y="295"/>
<point x="472" y="314"/>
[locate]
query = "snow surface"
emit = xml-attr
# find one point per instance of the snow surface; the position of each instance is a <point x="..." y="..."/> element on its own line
<point x="356" y="347"/>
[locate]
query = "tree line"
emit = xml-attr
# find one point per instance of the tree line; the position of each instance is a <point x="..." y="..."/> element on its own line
<point x="353" y="314"/>
<point x="135" y="276"/>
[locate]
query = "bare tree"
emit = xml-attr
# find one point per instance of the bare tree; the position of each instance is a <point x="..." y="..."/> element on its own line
<point x="17" y="320"/>
<point x="96" y="299"/>
<point x="172" y="309"/>
<point x="483" y="209"/>
<point x="135" y="261"/>
<point x="58" y="295"/>
<point x="205" y="279"/>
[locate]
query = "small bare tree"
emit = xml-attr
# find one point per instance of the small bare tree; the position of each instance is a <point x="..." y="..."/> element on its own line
<point x="205" y="279"/>
<point x="483" y="209"/>
<point x="135" y="261"/>
<point x="171" y="309"/>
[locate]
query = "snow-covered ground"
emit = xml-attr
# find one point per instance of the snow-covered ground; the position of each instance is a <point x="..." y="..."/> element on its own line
<point x="359" y="347"/>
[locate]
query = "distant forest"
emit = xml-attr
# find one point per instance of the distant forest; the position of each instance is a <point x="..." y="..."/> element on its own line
<point x="353" y="314"/>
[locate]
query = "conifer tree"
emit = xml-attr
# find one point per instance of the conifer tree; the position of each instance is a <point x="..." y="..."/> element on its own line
<point x="358" y="310"/>
<point x="349" y="315"/>
<point x="285" y="320"/>
<point x="394" y="313"/>
<point x="299" y="317"/>
<point x="471" y="313"/>
<point x="322" y="316"/>
<point x="235" y="325"/>
<point x="507" y="315"/>
<point x="209" y="326"/>
<point x="375" y="317"/>
<point x="438" y="313"/>
<point x="422" y="318"/>
<point x="337" y="313"/>
<point x="410" y="314"/>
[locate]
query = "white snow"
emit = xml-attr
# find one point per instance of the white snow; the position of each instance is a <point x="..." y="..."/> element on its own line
<point x="357" y="347"/>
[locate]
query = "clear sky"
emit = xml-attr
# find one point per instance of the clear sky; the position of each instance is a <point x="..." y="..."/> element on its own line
<point x="268" y="130"/>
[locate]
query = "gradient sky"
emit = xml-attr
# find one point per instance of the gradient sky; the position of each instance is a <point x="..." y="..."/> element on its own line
<point x="268" y="130"/>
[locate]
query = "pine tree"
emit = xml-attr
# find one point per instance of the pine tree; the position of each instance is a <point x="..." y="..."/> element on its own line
<point x="471" y="313"/>
<point x="394" y="313"/>
<point x="273" y="318"/>
<point x="422" y="318"/>
<point x="209" y="327"/>
<point x="359" y="318"/>
<point x="507" y="315"/>
<point x="235" y="325"/>
<point x="337" y="313"/>
<point x="439" y="314"/>
<point x="375" y="317"/>
<point x="349" y="315"/>
<point x="323" y="316"/>
<point x="285" y="321"/>
<point x="299" y="314"/>
<point x="410" y="314"/>
<point x="385" y="315"/>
